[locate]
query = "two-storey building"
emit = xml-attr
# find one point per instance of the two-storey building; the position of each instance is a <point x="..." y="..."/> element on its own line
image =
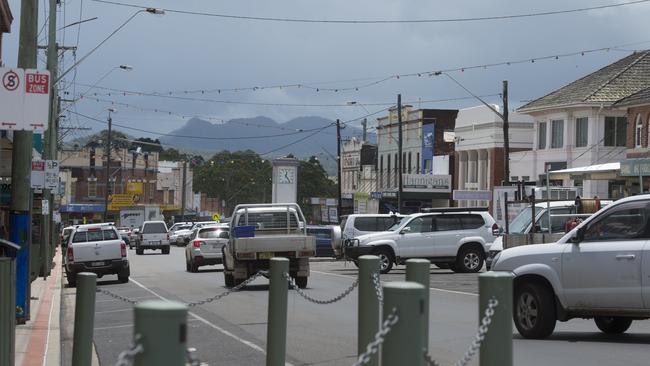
<point x="358" y="177"/>
<point x="581" y="124"/>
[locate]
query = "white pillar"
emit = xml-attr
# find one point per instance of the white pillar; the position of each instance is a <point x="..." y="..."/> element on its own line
<point x="462" y="172"/>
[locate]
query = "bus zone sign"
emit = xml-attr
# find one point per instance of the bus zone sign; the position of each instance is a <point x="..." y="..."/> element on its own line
<point x="24" y="99"/>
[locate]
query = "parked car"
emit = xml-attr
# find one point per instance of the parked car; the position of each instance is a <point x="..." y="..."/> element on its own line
<point x="65" y="234"/>
<point x="599" y="270"/>
<point x="561" y="211"/>
<point x="206" y="245"/>
<point x="153" y="235"/>
<point x="361" y="224"/>
<point x="179" y="225"/>
<point x="448" y="238"/>
<point x="178" y="233"/>
<point x="327" y="238"/>
<point x="96" y="248"/>
<point x="125" y="233"/>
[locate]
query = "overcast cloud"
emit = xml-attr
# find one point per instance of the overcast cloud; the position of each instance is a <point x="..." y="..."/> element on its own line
<point x="188" y="52"/>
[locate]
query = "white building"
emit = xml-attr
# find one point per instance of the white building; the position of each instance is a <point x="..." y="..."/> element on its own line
<point x="359" y="176"/>
<point x="578" y="124"/>
<point x="479" y="147"/>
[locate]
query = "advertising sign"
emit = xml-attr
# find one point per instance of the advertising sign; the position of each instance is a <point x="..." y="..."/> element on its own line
<point x="117" y="201"/>
<point x="351" y="160"/>
<point x="635" y="167"/>
<point x="333" y="213"/>
<point x="426" y="183"/>
<point x="134" y="187"/>
<point x="24" y="99"/>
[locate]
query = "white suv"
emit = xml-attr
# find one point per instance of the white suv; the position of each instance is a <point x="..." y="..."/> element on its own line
<point x="600" y="270"/>
<point x="450" y="238"/>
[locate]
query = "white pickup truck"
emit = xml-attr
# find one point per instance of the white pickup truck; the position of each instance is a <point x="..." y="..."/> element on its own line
<point x="259" y="232"/>
<point x="96" y="248"/>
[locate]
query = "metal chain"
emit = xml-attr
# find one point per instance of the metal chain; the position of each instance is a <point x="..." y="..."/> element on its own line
<point x="224" y="294"/>
<point x="300" y="292"/>
<point x="126" y="357"/>
<point x="373" y="347"/>
<point x="196" y="303"/>
<point x="478" y="338"/>
<point x="192" y="360"/>
<point x="116" y="296"/>
<point x="378" y="291"/>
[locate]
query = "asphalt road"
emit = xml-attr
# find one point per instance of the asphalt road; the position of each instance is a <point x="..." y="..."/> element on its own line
<point x="232" y="331"/>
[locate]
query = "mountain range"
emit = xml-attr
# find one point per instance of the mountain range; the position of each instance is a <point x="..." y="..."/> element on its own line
<point x="302" y="136"/>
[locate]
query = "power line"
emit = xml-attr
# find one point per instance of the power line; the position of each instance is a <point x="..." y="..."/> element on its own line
<point x="382" y="21"/>
<point x="372" y="81"/>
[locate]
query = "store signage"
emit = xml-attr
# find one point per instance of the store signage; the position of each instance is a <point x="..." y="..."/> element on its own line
<point x="635" y="167"/>
<point x="426" y="183"/>
<point x="351" y="160"/>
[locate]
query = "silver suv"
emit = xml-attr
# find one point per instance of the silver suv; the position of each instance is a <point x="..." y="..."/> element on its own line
<point x="450" y="238"/>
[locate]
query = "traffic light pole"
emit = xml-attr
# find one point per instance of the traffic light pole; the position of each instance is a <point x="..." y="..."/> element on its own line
<point x="21" y="167"/>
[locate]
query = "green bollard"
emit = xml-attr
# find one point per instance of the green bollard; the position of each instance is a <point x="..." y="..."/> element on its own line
<point x="404" y="344"/>
<point x="418" y="270"/>
<point x="7" y="310"/>
<point x="368" y="311"/>
<point x="162" y="330"/>
<point x="84" y="319"/>
<point x="496" y="349"/>
<point x="276" y="331"/>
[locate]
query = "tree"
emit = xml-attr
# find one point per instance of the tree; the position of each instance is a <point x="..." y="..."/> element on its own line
<point x="171" y="154"/>
<point x="119" y="140"/>
<point x="313" y="182"/>
<point x="148" y="145"/>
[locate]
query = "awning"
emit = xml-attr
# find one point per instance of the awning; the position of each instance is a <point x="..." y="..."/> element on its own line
<point x="81" y="207"/>
<point x="605" y="171"/>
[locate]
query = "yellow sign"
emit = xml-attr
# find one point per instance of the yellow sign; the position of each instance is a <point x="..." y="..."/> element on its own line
<point x="134" y="187"/>
<point x="117" y="201"/>
<point x="169" y="207"/>
<point x="215" y="216"/>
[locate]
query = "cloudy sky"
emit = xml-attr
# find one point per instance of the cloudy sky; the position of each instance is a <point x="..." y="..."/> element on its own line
<point x="178" y="52"/>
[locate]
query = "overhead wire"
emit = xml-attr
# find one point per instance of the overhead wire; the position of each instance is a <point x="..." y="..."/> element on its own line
<point x="382" y="21"/>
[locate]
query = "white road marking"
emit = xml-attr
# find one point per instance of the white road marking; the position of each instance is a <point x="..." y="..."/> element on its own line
<point x="208" y="323"/>
<point x="352" y="278"/>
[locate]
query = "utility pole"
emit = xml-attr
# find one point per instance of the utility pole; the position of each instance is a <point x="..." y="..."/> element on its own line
<point x="108" y="163"/>
<point x="184" y="190"/>
<point x="364" y="124"/>
<point x="50" y="137"/>
<point x="399" y="152"/>
<point x="506" y="136"/>
<point x="338" y="164"/>
<point x="21" y="167"/>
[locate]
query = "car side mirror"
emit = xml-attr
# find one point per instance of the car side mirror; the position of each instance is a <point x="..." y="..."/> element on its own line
<point x="405" y="230"/>
<point x="579" y="236"/>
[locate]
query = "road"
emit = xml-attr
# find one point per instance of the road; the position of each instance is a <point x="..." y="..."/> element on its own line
<point x="232" y="331"/>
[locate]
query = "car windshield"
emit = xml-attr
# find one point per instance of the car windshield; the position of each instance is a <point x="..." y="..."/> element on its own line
<point x="154" y="228"/>
<point x="398" y="223"/>
<point x="522" y="221"/>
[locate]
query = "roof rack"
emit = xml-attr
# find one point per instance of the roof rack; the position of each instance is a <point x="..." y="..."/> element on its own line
<point x="454" y="209"/>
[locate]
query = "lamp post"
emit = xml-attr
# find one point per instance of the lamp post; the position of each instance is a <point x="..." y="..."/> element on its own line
<point x="364" y="123"/>
<point x="83" y="94"/>
<point x="108" y="162"/>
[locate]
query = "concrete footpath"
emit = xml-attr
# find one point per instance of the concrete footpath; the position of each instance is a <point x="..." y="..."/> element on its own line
<point x="40" y="342"/>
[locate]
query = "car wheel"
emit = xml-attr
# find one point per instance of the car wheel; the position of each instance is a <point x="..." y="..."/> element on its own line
<point x="229" y="279"/>
<point x="612" y="324"/>
<point x="72" y="279"/>
<point x="165" y="250"/>
<point x="139" y="251"/>
<point x="469" y="260"/>
<point x="301" y="282"/>
<point x="534" y="310"/>
<point x="386" y="260"/>
<point x="193" y="267"/>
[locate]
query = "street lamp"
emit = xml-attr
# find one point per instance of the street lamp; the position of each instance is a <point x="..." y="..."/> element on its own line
<point x="364" y="123"/>
<point x="148" y="10"/>
<point x="83" y="94"/>
<point x="108" y="161"/>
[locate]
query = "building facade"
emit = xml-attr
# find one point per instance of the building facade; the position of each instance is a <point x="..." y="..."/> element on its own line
<point x="479" y="148"/>
<point x="426" y="158"/>
<point x="359" y="177"/>
<point x="580" y="124"/>
<point x="170" y="185"/>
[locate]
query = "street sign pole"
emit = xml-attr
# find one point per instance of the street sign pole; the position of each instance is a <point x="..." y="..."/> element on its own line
<point x="21" y="162"/>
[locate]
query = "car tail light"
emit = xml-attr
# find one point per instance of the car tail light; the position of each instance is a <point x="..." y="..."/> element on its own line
<point x="495" y="229"/>
<point x="197" y="243"/>
<point x="123" y="248"/>
<point x="70" y="254"/>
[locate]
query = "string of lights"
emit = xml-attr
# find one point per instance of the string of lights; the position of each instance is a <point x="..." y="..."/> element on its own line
<point x="382" y="21"/>
<point x="373" y="81"/>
